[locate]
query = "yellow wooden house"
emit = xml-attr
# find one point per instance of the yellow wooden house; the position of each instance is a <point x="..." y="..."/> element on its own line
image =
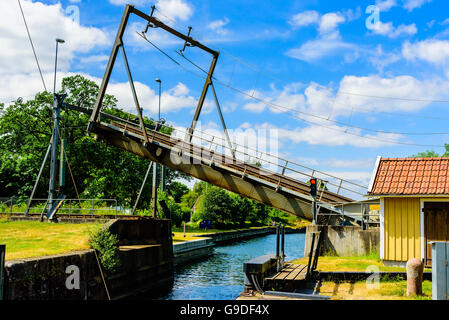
<point x="414" y="206"/>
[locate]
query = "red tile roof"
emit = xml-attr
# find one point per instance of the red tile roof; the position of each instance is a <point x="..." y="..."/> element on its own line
<point x="409" y="176"/>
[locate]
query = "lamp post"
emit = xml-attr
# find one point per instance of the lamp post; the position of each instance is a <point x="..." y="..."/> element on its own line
<point x="54" y="147"/>
<point x="160" y="83"/>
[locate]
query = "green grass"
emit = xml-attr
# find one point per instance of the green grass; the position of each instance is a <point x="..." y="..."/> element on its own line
<point x="388" y="290"/>
<point x="353" y="263"/>
<point x="26" y="239"/>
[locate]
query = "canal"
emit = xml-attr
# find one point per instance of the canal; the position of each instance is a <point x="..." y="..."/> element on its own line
<point x="220" y="275"/>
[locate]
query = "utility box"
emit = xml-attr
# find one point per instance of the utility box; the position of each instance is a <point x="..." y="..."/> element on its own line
<point x="440" y="270"/>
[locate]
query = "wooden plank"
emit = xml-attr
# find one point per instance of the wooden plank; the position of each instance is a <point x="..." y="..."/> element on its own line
<point x="294" y="273"/>
<point x="281" y="275"/>
<point x="302" y="275"/>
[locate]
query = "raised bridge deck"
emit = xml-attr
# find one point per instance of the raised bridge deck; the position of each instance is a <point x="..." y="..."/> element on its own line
<point x="271" y="188"/>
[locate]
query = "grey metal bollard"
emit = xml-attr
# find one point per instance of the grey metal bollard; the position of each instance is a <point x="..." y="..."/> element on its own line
<point x="440" y="270"/>
<point x="415" y="270"/>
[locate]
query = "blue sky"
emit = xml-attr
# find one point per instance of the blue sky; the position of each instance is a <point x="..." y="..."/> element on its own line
<point x="338" y="85"/>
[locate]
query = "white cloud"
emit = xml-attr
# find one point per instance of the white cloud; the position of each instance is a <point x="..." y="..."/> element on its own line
<point x="430" y="50"/>
<point x="288" y="97"/>
<point x="387" y="29"/>
<point x="330" y="21"/>
<point x="385" y="5"/>
<point x="410" y="5"/>
<point x="218" y="25"/>
<point x="314" y="50"/>
<point x="305" y="18"/>
<point x="17" y="56"/>
<point x="175" y="9"/>
<point x="398" y="87"/>
<point x="329" y="40"/>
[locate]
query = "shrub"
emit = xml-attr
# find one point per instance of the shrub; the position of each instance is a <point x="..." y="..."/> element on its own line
<point x="107" y="245"/>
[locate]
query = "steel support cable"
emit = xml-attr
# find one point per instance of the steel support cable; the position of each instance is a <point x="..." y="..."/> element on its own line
<point x="260" y="70"/>
<point x="310" y="114"/>
<point x="310" y="122"/>
<point x="321" y="125"/>
<point x="163" y="52"/>
<point x="32" y="45"/>
<point x="276" y="75"/>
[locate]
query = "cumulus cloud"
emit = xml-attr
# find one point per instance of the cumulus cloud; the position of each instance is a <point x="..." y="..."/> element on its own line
<point x="288" y="97"/>
<point x="385" y="5"/>
<point x="410" y="5"/>
<point x="329" y="40"/>
<point x="171" y="9"/>
<point x="305" y="18"/>
<point x="387" y="29"/>
<point x="218" y="26"/>
<point x="17" y="56"/>
<point x="430" y="50"/>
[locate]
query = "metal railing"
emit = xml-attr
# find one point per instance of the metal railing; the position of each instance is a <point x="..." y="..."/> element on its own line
<point x="92" y="207"/>
<point x="269" y="162"/>
<point x="365" y="216"/>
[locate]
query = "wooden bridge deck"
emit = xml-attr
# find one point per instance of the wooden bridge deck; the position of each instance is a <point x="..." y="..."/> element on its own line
<point x="290" y="272"/>
<point x="291" y="277"/>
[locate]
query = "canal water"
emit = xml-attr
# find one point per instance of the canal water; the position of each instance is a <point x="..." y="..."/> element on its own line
<point x="220" y="275"/>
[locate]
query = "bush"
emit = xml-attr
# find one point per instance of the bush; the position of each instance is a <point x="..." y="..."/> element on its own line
<point x="107" y="245"/>
<point x="216" y="205"/>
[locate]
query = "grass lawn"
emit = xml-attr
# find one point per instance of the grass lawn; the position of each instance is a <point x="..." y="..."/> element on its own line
<point x="387" y="290"/>
<point x="26" y="239"/>
<point x="330" y="263"/>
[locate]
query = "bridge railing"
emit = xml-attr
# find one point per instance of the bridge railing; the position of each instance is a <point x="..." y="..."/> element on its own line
<point x="92" y="207"/>
<point x="275" y="163"/>
<point x="269" y="160"/>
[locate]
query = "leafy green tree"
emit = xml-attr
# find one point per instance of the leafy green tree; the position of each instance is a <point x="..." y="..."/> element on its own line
<point x="189" y="199"/>
<point x="259" y="214"/>
<point x="177" y="190"/>
<point x="216" y="205"/>
<point x="97" y="169"/>
<point x="432" y="153"/>
<point x="242" y="208"/>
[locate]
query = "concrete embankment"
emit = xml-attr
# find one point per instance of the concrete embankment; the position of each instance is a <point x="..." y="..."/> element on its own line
<point x="146" y="263"/>
<point x="344" y="240"/>
<point x="187" y="251"/>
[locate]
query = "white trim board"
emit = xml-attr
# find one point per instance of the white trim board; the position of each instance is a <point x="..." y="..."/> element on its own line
<point x="382" y="228"/>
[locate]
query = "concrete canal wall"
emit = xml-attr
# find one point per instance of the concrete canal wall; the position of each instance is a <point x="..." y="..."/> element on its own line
<point x="146" y="264"/>
<point x="187" y="251"/>
<point x="344" y="240"/>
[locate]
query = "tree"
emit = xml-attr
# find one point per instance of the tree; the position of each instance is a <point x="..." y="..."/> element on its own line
<point x="432" y="153"/>
<point x="241" y="208"/>
<point x="177" y="190"/>
<point x="216" y="205"/>
<point x="98" y="170"/>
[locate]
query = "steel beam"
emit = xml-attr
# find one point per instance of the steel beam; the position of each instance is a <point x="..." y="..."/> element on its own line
<point x="141" y="188"/>
<point x="38" y="177"/>
<point x="107" y="75"/>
